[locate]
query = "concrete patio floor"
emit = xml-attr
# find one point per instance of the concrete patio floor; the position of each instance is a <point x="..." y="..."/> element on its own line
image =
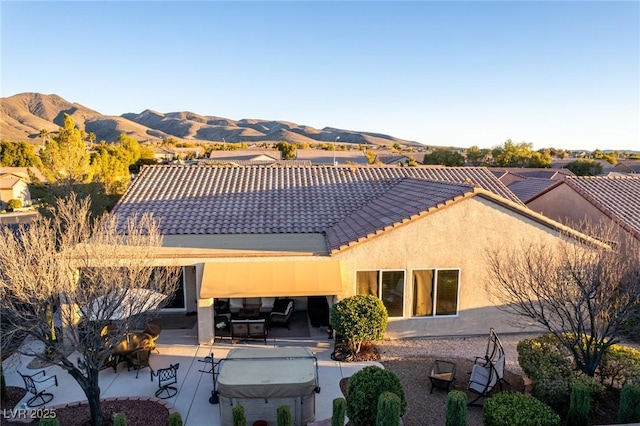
<point x="194" y="387"/>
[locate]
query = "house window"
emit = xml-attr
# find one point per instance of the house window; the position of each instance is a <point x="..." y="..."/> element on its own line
<point x="435" y="292"/>
<point x="386" y="285"/>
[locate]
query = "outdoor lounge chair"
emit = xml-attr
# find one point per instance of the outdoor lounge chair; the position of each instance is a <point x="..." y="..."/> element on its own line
<point x="166" y="378"/>
<point x="38" y="388"/>
<point x="281" y="313"/>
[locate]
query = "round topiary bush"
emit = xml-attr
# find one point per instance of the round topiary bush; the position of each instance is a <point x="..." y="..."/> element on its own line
<point x="364" y="390"/>
<point x="517" y="409"/>
<point x="14" y="204"/>
<point x="359" y="319"/>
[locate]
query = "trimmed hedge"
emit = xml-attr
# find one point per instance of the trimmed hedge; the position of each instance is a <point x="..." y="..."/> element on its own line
<point x="456" y="409"/>
<point x="516" y="409"/>
<point x="339" y="411"/>
<point x="238" y="417"/>
<point x="359" y="319"/>
<point x="629" y="410"/>
<point x="388" y="409"/>
<point x="175" y="419"/>
<point x="364" y="390"/>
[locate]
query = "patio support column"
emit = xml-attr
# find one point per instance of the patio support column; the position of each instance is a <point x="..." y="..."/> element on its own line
<point x="205" y="321"/>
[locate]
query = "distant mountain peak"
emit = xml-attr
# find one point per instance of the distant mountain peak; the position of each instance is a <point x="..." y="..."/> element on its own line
<point x="25" y="114"/>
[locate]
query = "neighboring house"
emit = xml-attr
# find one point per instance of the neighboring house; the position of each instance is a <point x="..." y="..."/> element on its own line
<point x="323" y="157"/>
<point x="628" y="166"/>
<point x="528" y="183"/>
<point x="14" y="188"/>
<point x="596" y="199"/>
<point x="415" y="237"/>
<point x="29" y="174"/>
<point x="606" y="166"/>
<point x="163" y="154"/>
<point x="240" y="156"/>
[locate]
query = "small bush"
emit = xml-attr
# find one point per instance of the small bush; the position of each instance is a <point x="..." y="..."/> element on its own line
<point x="456" y="409"/>
<point x="388" y="409"/>
<point x="364" y="389"/>
<point x="14" y="204"/>
<point x="620" y="364"/>
<point x="283" y="415"/>
<point x="547" y="362"/>
<point x="238" y="417"/>
<point x="175" y="419"/>
<point x="120" y="419"/>
<point x="629" y="410"/>
<point x="516" y="409"/>
<point x="48" y="422"/>
<point x="579" y="405"/>
<point x="359" y="319"/>
<point x="339" y="411"/>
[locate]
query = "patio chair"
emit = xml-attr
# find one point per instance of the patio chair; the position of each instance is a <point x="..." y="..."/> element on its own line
<point x="281" y="313"/>
<point x="38" y="387"/>
<point x="166" y="378"/>
<point x="484" y="378"/>
<point x="153" y="330"/>
<point x="138" y="360"/>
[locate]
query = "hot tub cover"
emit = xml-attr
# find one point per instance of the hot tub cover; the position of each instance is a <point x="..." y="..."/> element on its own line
<point x="267" y="373"/>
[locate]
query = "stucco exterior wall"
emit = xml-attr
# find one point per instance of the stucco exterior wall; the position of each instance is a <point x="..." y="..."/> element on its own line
<point x="454" y="237"/>
<point x="565" y="205"/>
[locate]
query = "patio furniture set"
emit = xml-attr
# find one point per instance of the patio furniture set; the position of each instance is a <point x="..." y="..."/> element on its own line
<point x="251" y="318"/>
<point x="487" y="371"/>
<point x="134" y="349"/>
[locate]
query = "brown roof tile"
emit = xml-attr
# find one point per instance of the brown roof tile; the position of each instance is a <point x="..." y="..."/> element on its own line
<point x="347" y="203"/>
<point x="617" y="197"/>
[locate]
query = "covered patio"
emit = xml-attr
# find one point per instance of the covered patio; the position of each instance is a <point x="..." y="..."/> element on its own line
<point x="194" y="386"/>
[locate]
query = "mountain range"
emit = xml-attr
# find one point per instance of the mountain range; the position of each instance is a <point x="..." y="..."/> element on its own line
<point x="24" y="115"/>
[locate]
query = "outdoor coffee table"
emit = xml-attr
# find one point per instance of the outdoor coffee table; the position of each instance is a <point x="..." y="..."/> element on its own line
<point x="442" y="374"/>
<point x="249" y="312"/>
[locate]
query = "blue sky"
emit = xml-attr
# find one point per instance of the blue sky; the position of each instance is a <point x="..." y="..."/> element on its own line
<point x="556" y="74"/>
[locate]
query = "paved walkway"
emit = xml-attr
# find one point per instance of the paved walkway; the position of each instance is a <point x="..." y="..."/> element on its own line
<point x="194" y="387"/>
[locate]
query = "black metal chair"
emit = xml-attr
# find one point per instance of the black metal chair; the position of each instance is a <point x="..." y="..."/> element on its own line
<point x="38" y="387"/>
<point x="139" y="359"/>
<point x="166" y="378"/>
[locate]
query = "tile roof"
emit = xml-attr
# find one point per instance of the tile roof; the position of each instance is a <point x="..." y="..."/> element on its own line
<point x="629" y="166"/>
<point x="345" y="202"/>
<point x="259" y="162"/>
<point x="617" y="197"/>
<point x="246" y="155"/>
<point x="405" y="200"/>
<point x="530" y="188"/>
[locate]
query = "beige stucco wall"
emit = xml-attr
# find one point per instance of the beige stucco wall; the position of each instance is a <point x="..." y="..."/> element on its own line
<point x="455" y="238"/>
<point x="566" y="206"/>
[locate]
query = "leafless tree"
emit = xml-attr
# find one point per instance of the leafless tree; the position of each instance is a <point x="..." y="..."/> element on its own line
<point x="586" y="292"/>
<point x="63" y="278"/>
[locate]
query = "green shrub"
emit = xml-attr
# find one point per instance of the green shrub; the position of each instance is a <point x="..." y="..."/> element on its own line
<point x="364" y="389"/>
<point x="629" y="410"/>
<point x="238" y="417"/>
<point x="388" y="409"/>
<point x="620" y="364"/>
<point x="456" y="409"/>
<point x="579" y="405"/>
<point x="14" y="204"/>
<point x="283" y="415"/>
<point x="517" y="409"/>
<point x="175" y="419"/>
<point x="359" y="319"/>
<point x="48" y="422"/>
<point x="548" y="363"/>
<point x="339" y="411"/>
<point x="120" y="419"/>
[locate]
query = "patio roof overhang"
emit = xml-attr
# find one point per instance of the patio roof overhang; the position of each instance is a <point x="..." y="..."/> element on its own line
<point x="271" y="279"/>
